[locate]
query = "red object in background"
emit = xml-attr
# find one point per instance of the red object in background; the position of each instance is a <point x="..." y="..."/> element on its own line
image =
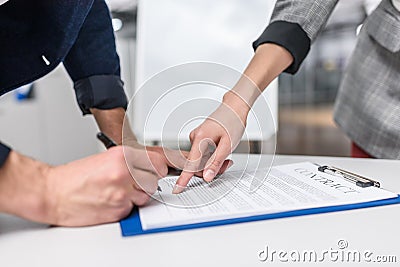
<point x="358" y="152"/>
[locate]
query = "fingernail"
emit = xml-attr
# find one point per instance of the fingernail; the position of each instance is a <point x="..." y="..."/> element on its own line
<point x="209" y="175"/>
<point x="178" y="189"/>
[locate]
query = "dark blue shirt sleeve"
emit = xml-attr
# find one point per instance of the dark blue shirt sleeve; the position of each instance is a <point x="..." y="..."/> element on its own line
<point x="93" y="63"/>
<point x="291" y="37"/>
<point x="4" y="151"/>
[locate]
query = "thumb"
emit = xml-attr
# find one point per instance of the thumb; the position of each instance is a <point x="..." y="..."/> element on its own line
<point x="216" y="161"/>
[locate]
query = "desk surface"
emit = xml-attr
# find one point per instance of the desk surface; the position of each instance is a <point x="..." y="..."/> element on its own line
<point x="376" y="229"/>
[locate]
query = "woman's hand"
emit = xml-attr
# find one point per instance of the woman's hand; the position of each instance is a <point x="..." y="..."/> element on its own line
<point x="176" y="159"/>
<point x="223" y="130"/>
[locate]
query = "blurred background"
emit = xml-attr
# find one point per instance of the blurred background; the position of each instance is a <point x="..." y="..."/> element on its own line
<point x="54" y="131"/>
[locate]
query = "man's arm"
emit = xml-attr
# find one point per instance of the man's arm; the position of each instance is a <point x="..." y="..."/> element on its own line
<point x="22" y="187"/>
<point x="111" y="123"/>
<point x="100" y="188"/>
<point x="93" y="64"/>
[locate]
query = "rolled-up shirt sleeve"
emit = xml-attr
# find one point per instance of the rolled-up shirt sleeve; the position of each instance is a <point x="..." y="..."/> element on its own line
<point x="93" y="63"/>
<point x="4" y="151"/>
<point x="100" y="91"/>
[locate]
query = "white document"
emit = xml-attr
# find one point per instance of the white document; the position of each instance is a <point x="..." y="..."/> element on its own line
<point x="285" y="188"/>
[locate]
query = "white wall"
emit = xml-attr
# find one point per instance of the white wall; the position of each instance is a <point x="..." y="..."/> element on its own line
<point x="50" y="127"/>
<point x="172" y="32"/>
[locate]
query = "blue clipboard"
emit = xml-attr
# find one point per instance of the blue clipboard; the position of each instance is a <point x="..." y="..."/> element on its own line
<point x="132" y="226"/>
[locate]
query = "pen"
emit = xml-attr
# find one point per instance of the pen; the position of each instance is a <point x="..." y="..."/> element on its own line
<point x="108" y="142"/>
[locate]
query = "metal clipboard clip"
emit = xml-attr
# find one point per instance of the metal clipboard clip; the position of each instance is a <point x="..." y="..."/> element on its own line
<point x="352" y="177"/>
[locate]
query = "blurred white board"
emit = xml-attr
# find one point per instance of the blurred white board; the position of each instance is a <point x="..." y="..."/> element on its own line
<point x="173" y="32"/>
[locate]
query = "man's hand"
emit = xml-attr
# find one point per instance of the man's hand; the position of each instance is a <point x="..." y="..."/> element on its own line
<point x="94" y="190"/>
<point x="104" y="187"/>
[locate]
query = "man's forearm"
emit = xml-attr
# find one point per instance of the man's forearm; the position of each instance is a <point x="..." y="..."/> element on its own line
<point x="23" y="187"/>
<point x="114" y="124"/>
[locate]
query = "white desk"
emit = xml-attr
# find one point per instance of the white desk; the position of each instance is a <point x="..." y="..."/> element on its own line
<point x="376" y="229"/>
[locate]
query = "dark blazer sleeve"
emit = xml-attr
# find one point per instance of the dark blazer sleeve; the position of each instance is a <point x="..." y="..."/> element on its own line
<point x="294" y="25"/>
<point x="4" y="151"/>
<point x="93" y="63"/>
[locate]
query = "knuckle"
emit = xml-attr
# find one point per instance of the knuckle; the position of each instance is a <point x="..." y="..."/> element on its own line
<point x="192" y="165"/>
<point x="118" y="175"/>
<point x="119" y="196"/>
<point x="200" y="134"/>
<point x="217" y="163"/>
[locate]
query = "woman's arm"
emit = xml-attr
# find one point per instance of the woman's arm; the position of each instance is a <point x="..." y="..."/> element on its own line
<point x="226" y="125"/>
<point x="281" y="47"/>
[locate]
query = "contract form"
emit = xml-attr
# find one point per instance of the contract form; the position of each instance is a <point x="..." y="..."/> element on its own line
<point x="281" y="188"/>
